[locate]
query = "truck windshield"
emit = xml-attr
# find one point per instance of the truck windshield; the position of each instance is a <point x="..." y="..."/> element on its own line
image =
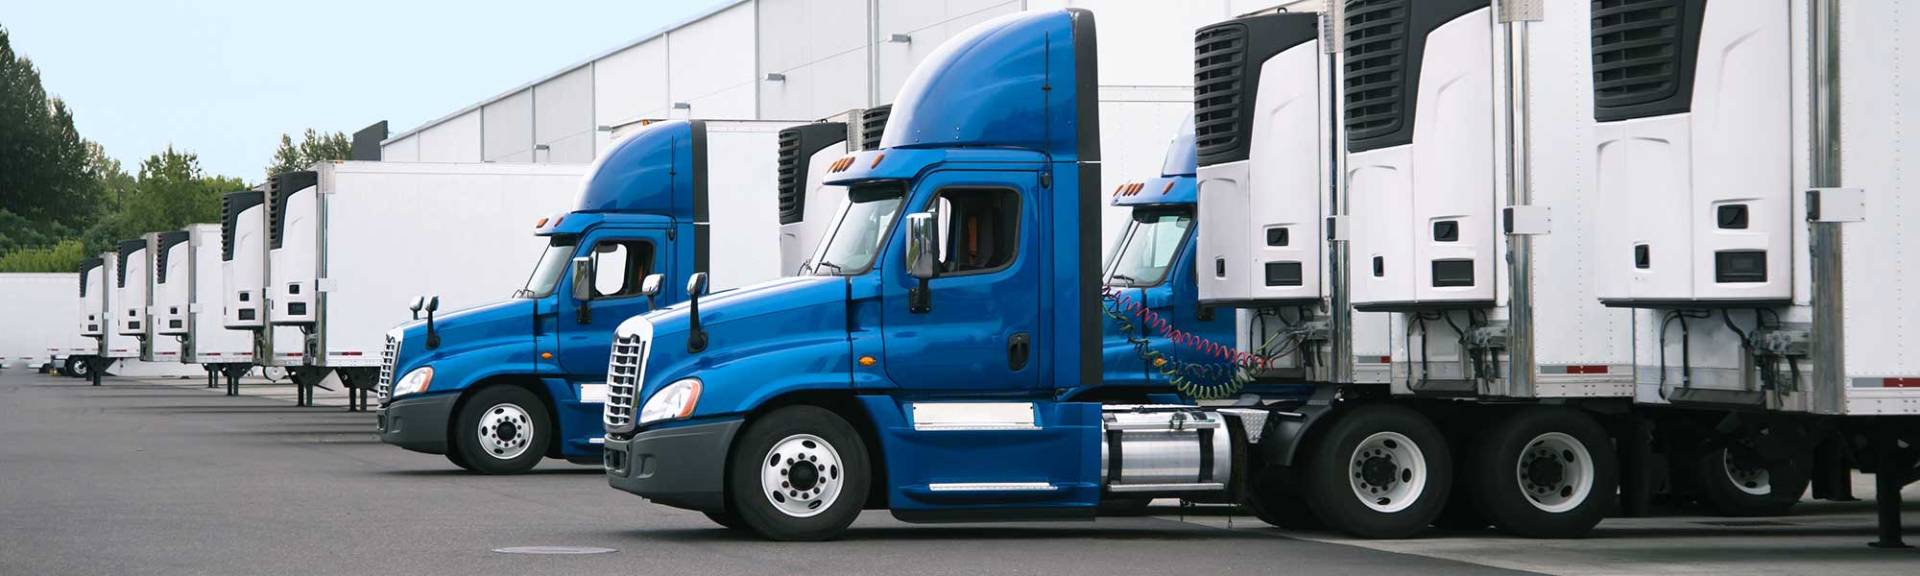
<point x="863" y="225"/>
<point x="546" y="274"/>
<point x="1148" y="246"/>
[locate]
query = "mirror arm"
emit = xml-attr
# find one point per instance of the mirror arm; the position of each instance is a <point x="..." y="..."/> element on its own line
<point x="919" y="298"/>
<point x="433" y="337"/>
<point x="696" y="337"/>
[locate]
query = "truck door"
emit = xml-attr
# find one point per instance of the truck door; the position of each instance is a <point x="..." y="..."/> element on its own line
<point x="621" y="260"/>
<point x="980" y="329"/>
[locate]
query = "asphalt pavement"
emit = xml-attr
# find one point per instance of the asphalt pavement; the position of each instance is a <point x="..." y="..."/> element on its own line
<point x="164" y="477"/>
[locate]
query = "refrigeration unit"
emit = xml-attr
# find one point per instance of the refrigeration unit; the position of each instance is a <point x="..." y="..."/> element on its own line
<point x="159" y="340"/>
<point x="351" y="244"/>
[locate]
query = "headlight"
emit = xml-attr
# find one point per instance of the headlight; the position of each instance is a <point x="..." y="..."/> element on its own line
<point x="673" y="402"/>
<point x="415" y="382"/>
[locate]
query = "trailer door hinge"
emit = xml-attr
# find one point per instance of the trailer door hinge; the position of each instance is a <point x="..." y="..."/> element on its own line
<point x="1836" y="205"/>
<point x="1528" y="220"/>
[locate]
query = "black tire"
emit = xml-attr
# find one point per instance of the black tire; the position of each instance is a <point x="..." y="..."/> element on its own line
<point x="753" y="454"/>
<point x="1273" y="496"/>
<point x="78" y="367"/>
<point x="1786" y="481"/>
<point x="1333" y="494"/>
<point x="458" y="459"/>
<point x="517" y="434"/>
<point x="1553" y="503"/>
<point x="726" y="520"/>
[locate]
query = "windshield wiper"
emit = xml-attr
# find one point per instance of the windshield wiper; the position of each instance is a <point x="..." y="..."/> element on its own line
<point x="826" y="264"/>
<point x="523" y="293"/>
<point x="1129" y="279"/>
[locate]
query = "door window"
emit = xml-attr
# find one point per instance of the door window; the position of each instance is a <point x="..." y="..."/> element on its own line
<point x="619" y="267"/>
<point x="978" y="229"/>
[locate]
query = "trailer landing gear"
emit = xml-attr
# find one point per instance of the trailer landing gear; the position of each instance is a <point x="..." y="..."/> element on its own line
<point x="1893" y="469"/>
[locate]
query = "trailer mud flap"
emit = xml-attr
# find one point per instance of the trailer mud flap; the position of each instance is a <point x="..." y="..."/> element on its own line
<point x="947" y="461"/>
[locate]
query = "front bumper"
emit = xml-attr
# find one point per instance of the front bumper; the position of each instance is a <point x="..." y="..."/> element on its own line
<point x="683" y="466"/>
<point x="418" y="423"/>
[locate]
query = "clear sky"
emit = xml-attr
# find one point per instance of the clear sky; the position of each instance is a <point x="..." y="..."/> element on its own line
<point x="224" y="78"/>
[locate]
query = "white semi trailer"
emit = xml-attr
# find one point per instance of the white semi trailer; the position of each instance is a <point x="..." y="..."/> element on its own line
<point x="188" y="287"/>
<point x="37" y="311"/>
<point x="1583" y="224"/>
<point x="351" y="244"/>
<point x="155" y="344"/>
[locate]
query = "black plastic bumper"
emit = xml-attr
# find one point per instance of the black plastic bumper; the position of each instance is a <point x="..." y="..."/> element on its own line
<point x="683" y="467"/>
<point x="418" y="423"/>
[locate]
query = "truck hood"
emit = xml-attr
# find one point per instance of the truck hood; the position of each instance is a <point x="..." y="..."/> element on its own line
<point x="749" y="329"/>
<point x="464" y="330"/>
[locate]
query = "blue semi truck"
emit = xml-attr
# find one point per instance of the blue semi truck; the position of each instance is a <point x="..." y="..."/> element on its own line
<point x="497" y="388"/>
<point x="945" y="360"/>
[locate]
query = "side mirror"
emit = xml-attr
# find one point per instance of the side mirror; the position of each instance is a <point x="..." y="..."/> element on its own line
<point x="433" y="304"/>
<point x="418" y="303"/>
<point x="923" y="248"/>
<point x="696" y="287"/>
<point x="430" y="305"/>
<point x="582" y="289"/>
<point x="650" y="287"/>
<point x="922" y="245"/>
<point x="697" y="284"/>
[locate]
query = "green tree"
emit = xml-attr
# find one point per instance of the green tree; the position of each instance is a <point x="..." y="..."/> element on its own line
<point x="62" y="257"/>
<point x="315" y="147"/>
<point x="46" y="191"/>
<point x="170" y="193"/>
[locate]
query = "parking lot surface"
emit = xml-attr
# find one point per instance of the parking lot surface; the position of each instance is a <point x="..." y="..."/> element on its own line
<point x="162" y="476"/>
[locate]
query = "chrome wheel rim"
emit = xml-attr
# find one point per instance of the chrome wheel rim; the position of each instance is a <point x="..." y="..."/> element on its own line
<point x="1751" y="479"/>
<point x="802" y="475"/>
<point x="1387" y="472"/>
<point x="1555" y="472"/>
<point x="506" y="431"/>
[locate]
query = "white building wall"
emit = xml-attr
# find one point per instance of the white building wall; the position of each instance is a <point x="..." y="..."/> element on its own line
<point x="456" y="140"/>
<point x="710" y="65"/>
<point x="507" y="129"/>
<point x="563" y="118"/>
<point x="834" y="54"/>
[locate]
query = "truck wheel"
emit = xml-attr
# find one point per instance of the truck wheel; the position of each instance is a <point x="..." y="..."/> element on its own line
<point x="1273" y="496"/>
<point x="1735" y="481"/>
<point x="1544" y="473"/>
<point x="502" y="430"/>
<point x="727" y="520"/>
<point x="1381" y="471"/>
<point x="77" y="367"/>
<point x="798" y="473"/>
<point x="459" y="459"/>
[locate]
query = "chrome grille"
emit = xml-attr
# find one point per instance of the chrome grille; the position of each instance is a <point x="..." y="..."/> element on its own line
<point x="623" y="380"/>
<point x="387" y="358"/>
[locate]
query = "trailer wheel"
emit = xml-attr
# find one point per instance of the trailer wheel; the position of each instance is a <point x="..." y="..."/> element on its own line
<point x="1735" y="481"/>
<point x="1545" y="472"/>
<point x="1380" y="471"/>
<point x="502" y="430"/>
<point x="798" y="473"/>
<point x="76" y="367"/>
<point x="1273" y="496"/>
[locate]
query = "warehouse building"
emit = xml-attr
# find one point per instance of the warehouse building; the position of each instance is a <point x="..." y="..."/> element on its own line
<point x="797" y="60"/>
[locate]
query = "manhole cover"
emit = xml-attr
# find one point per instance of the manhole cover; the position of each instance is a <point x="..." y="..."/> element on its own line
<point x="553" y="550"/>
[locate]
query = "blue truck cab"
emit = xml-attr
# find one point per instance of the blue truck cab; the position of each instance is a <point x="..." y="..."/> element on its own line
<point x="498" y="387"/>
<point x="1159" y="340"/>
<point x="939" y="362"/>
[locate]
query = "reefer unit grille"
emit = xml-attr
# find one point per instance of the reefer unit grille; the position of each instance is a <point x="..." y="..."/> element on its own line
<point x="797" y="147"/>
<point x="873" y="125"/>
<point x="167" y="241"/>
<point x="284" y="185"/>
<point x="1219" y="59"/>
<point x="1376" y="71"/>
<point x="121" y="252"/>
<point x="86" y="266"/>
<point x="1643" y="54"/>
<point x="231" y="206"/>
<point x="623" y="380"/>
